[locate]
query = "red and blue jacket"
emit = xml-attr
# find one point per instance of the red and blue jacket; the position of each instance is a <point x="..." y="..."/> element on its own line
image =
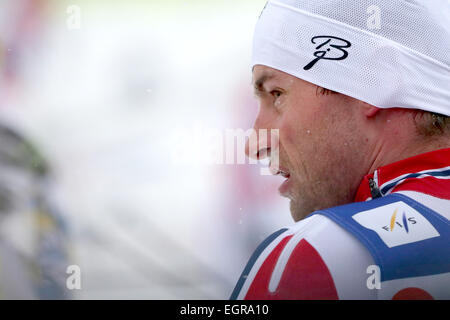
<point x="393" y="242"/>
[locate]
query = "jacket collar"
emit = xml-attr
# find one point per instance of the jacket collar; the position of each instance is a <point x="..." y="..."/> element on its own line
<point x="387" y="178"/>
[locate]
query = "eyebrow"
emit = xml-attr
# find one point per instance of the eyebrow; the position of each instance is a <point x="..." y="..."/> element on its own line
<point x="259" y="83"/>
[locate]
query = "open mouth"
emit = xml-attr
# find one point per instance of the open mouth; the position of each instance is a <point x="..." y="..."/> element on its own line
<point x="284" y="174"/>
<point x="281" y="171"/>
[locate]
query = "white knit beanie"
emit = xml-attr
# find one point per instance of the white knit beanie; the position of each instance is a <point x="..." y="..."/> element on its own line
<point x="389" y="53"/>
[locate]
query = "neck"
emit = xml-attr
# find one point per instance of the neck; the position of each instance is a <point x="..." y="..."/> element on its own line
<point x="397" y="148"/>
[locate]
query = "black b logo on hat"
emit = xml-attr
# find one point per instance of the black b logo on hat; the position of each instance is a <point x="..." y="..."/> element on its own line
<point x="330" y="48"/>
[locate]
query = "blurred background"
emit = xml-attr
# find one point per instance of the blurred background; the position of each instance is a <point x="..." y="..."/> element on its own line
<point x="105" y="113"/>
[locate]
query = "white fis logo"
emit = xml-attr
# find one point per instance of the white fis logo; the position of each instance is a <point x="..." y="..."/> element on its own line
<point x="397" y="224"/>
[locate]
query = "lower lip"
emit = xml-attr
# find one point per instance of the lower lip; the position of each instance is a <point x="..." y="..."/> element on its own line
<point x="284" y="188"/>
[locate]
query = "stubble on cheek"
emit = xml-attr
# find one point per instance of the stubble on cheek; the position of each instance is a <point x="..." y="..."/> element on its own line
<point x="303" y="195"/>
<point x="308" y="144"/>
<point x="314" y="175"/>
<point x="325" y="179"/>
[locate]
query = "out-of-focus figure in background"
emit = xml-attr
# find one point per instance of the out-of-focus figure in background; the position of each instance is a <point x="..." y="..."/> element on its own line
<point x="33" y="235"/>
<point x="108" y="103"/>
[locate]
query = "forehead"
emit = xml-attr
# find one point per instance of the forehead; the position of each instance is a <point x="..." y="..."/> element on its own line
<point x="260" y="71"/>
<point x="261" y="74"/>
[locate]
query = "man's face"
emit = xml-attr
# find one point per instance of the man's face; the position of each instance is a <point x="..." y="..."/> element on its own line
<point x="320" y="145"/>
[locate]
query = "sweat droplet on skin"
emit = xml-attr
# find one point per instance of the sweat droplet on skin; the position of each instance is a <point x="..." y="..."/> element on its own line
<point x="308" y="131"/>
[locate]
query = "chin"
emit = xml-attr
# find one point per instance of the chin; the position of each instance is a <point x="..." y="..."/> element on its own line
<point x="296" y="211"/>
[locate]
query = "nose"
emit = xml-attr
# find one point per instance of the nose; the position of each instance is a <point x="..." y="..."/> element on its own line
<point x="260" y="143"/>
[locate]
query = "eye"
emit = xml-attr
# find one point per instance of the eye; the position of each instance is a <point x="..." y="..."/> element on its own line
<point x="276" y="93"/>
